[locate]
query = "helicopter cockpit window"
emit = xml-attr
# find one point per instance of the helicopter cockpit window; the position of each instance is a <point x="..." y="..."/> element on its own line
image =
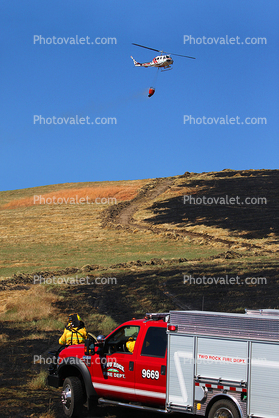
<point x="117" y="342"/>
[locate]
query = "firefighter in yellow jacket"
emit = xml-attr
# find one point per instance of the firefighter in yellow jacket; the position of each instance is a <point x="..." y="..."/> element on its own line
<point x="130" y="344"/>
<point x="75" y="332"/>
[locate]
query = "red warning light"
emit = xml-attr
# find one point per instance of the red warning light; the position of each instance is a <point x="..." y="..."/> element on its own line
<point x="172" y="327"/>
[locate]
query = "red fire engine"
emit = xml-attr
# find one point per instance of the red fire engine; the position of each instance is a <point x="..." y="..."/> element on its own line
<point x="217" y="365"/>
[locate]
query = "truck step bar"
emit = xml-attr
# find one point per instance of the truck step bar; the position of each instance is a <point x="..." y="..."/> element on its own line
<point x="141" y="407"/>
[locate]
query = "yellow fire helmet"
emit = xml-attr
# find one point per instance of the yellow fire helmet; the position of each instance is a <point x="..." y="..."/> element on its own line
<point x="74" y="320"/>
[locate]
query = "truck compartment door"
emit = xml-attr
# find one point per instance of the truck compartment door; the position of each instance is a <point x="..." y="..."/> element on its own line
<point x="224" y="359"/>
<point x="264" y="380"/>
<point x="180" y="375"/>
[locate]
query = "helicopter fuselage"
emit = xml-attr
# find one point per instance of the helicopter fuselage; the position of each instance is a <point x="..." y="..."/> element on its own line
<point x="162" y="61"/>
<point x="159" y="61"/>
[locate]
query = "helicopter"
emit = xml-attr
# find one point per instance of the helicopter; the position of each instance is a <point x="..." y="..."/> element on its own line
<point x="161" y="61"/>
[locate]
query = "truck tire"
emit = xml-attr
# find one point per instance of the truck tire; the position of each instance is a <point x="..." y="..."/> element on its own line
<point x="72" y="396"/>
<point x="223" y="408"/>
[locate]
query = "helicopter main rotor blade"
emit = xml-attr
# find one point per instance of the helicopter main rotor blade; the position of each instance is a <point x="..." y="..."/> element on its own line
<point x="178" y="55"/>
<point x="152" y="49"/>
<point x="158" y="50"/>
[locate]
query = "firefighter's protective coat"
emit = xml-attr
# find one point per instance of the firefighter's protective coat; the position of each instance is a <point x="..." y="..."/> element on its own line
<point x="73" y="336"/>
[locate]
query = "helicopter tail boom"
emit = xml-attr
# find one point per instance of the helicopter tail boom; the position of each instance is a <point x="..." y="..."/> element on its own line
<point x="138" y="64"/>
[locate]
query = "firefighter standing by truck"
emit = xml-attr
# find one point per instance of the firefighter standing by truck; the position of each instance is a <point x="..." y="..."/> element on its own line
<point x="75" y="332"/>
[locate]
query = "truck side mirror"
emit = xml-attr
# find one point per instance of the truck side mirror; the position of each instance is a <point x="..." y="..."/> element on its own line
<point x="100" y="344"/>
<point x="89" y="346"/>
<point x="101" y="340"/>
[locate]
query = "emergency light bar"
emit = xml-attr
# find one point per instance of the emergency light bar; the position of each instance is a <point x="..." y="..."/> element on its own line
<point x="158" y="316"/>
<point x="262" y="312"/>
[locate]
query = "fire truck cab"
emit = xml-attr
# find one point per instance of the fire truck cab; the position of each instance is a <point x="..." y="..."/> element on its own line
<point x="129" y="365"/>
<point x="218" y="365"/>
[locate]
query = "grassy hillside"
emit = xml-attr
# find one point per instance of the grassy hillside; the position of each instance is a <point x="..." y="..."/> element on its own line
<point x="161" y="251"/>
<point x="36" y="237"/>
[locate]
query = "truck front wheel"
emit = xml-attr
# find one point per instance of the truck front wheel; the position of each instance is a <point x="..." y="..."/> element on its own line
<point x="72" y="396"/>
<point x="223" y="409"/>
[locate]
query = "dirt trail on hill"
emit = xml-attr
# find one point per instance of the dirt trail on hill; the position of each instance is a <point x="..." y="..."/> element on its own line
<point x="121" y="216"/>
<point x="125" y="217"/>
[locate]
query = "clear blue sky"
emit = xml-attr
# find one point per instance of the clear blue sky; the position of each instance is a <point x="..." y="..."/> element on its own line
<point x="150" y="138"/>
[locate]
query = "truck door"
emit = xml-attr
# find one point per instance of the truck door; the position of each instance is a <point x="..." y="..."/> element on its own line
<point x="113" y="373"/>
<point x="150" y="375"/>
